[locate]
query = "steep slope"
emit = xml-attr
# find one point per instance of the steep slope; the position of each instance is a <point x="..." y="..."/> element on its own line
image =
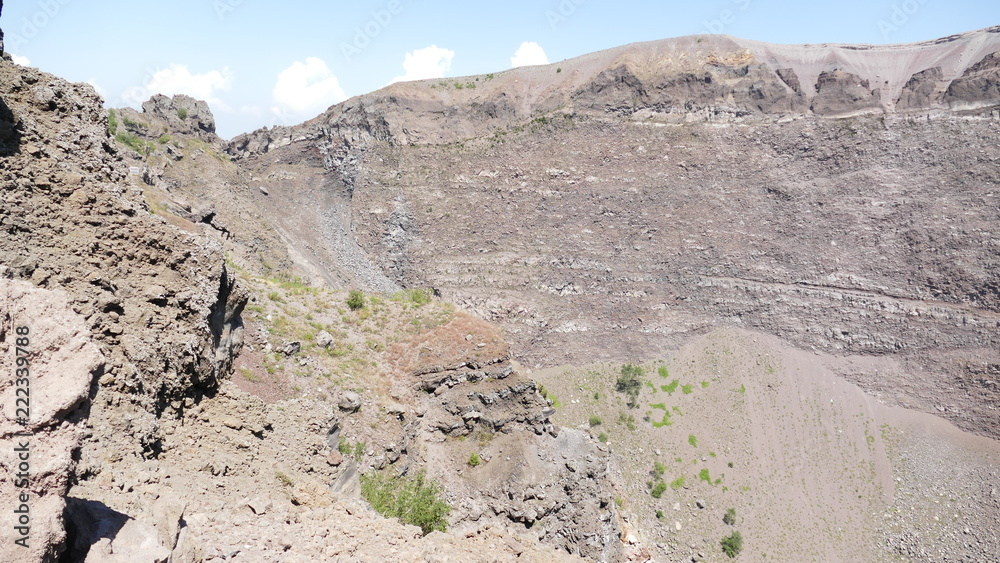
<point x="627" y="199"/>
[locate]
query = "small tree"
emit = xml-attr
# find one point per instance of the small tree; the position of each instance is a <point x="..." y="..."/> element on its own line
<point x="474" y="459"/>
<point x="355" y="299"/>
<point x="732" y="544"/>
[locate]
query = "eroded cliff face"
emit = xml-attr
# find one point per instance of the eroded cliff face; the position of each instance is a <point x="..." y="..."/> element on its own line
<point x="838" y="196"/>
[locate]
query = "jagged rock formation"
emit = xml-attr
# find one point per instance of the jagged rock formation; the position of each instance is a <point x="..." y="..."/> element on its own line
<point x="163" y="312"/>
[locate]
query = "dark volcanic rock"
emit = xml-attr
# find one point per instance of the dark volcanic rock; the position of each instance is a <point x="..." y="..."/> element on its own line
<point x="839" y="92"/>
<point x="978" y="86"/>
<point x="919" y="91"/>
<point x="182" y="113"/>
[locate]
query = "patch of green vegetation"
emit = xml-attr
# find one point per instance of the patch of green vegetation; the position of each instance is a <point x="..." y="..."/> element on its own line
<point x="677" y="483"/>
<point x="658" y="469"/>
<point x="730" y="464"/>
<point x="283" y="479"/>
<point x="732" y="544"/>
<point x="182" y="113"/>
<point x="414" y="500"/>
<point x="661" y="406"/>
<point x="704" y="476"/>
<point x="489" y="76"/>
<point x="704" y="384"/>
<point x="602" y="437"/>
<point x="356" y="299"/>
<point x="669" y="389"/>
<point x="594" y="420"/>
<point x="112" y="122"/>
<point x="629" y="383"/>
<point x="730" y="517"/>
<point x="665" y="421"/>
<point x="693" y="440"/>
<point x="663" y="372"/>
<point x="474" y="459"/>
<point x="619" y="502"/>
<point x="658" y="489"/>
<point x="418" y="297"/>
<point x="133" y="142"/>
<point x="687" y="389"/>
<point x="742" y="389"/>
<point x="627" y="420"/>
<point x="659" y="515"/>
<point x="163" y="139"/>
<point x="134" y="125"/>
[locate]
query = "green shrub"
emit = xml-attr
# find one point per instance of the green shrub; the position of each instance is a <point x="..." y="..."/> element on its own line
<point x="659" y="469"/>
<point x="355" y="300"/>
<point x="602" y="437"/>
<point x="693" y="440"/>
<point x="704" y="476"/>
<point x="182" y="113"/>
<point x="474" y="459"/>
<point x="629" y="383"/>
<point x="677" y="483"/>
<point x="663" y="372"/>
<point x="359" y="450"/>
<point x="415" y="500"/>
<point x="732" y="544"/>
<point x="595" y="420"/>
<point x="730" y="517"/>
<point x="659" y="515"/>
<point x="657" y="491"/>
<point x="133" y="142"/>
<point x="669" y="389"/>
<point x="687" y="389"/>
<point x="344" y="447"/>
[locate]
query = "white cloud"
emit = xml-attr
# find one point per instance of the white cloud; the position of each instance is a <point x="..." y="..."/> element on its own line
<point x="177" y="79"/>
<point x="306" y="89"/>
<point x="528" y="54"/>
<point x="23" y="61"/>
<point x="429" y="62"/>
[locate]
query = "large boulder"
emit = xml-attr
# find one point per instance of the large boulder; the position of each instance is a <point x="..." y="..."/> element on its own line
<point x="36" y="456"/>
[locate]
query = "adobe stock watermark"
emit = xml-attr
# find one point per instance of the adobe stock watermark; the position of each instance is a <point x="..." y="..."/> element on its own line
<point x="365" y="34"/>
<point x="562" y="13"/>
<point x="225" y="7"/>
<point x="726" y="17"/>
<point x="901" y="14"/>
<point x="29" y="28"/>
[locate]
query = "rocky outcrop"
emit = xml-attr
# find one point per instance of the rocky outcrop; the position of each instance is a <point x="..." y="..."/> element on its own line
<point x="978" y="86"/>
<point x="839" y="92"/>
<point x="162" y="309"/>
<point x="921" y="89"/>
<point x="44" y="404"/>
<point x="179" y="114"/>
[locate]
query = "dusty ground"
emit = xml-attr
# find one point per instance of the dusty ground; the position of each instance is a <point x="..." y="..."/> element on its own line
<point x="820" y="470"/>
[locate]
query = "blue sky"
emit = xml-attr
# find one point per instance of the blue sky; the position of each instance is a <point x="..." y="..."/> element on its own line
<point x="258" y="63"/>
